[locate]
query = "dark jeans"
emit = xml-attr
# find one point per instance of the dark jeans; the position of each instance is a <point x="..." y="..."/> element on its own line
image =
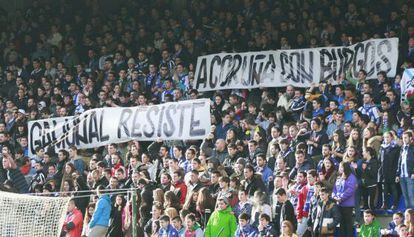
<point x="407" y="188"/>
<point x="368" y="195"/>
<point x="347" y="221"/>
<point x="390" y="188"/>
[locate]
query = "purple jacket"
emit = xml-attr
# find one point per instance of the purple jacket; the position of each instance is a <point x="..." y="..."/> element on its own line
<point x="345" y="190"/>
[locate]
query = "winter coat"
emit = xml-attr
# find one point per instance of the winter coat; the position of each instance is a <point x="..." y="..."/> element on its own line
<point x="328" y="210"/>
<point x="371" y="230"/>
<point x="345" y="190"/>
<point x="388" y="161"/>
<point x="102" y="212"/>
<point x="221" y="223"/>
<point x="170" y="231"/>
<point x="255" y="184"/>
<point x="195" y="231"/>
<point x="115" y="228"/>
<point x="247" y="231"/>
<point x="369" y="175"/>
<point x="73" y="223"/>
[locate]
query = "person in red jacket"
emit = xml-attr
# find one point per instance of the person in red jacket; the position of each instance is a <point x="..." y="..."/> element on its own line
<point x="177" y="179"/>
<point x="304" y="197"/>
<point x="73" y="221"/>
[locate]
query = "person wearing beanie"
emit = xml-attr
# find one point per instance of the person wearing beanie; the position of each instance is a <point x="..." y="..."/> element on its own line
<point x="222" y="222"/>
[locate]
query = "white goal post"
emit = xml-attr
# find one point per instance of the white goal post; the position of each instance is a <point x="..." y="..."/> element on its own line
<point x="25" y="215"/>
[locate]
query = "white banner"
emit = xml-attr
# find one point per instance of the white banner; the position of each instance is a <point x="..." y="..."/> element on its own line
<point x="407" y="85"/>
<point x="186" y="120"/>
<point x="297" y="67"/>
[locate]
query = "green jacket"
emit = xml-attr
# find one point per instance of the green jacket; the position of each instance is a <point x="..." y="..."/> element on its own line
<point x="221" y="224"/>
<point x="371" y="230"/>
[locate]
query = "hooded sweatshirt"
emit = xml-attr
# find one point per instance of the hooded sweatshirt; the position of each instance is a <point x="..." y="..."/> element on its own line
<point x="222" y="223"/>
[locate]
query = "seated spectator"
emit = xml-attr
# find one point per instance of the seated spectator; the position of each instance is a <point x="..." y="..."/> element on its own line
<point x="265" y="228"/>
<point x="244" y="229"/>
<point x="287" y="229"/>
<point x="371" y="226"/>
<point x="392" y="230"/>
<point x="192" y="227"/>
<point x="166" y="229"/>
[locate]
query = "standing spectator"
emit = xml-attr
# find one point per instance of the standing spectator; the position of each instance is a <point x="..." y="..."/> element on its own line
<point x="304" y="198"/>
<point x="344" y="195"/>
<point x="73" y="221"/>
<point x="115" y="228"/>
<point x="252" y="182"/>
<point x="13" y="174"/>
<point x="388" y="164"/>
<point x="326" y="211"/>
<point x="369" y="172"/>
<point x="287" y="211"/>
<point x="222" y="221"/>
<point x="243" y="205"/>
<point x="76" y="160"/>
<point x="100" y="219"/>
<point x="405" y="171"/>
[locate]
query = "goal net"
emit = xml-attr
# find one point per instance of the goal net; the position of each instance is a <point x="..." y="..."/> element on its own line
<point x="34" y="216"/>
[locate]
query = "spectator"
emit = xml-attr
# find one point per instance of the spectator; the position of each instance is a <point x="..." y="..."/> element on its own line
<point x="287" y="211"/>
<point x="252" y="182"/>
<point x="369" y="172"/>
<point x="405" y="174"/>
<point x="388" y="163"/>
<point x="193" y="229"/>
<point x="116" y="219"/>
<point x="100" y="219"/>
<point x="392" y="230"/>
<point x="166" y="229"/>
<point x="222" y="221"/>
<point x="344" y="195"/>
<point x="265" y="228"/>
<point x="244" y="228"/>
<point x="328" y="215"/>
<point x="287" y="229"/>
<point x="73" y="221"/>
<point x="371" y="226"/>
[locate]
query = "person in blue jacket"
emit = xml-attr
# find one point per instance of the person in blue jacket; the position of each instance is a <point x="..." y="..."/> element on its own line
<point x="244" y="229"/>
<point x="166" y="229"/>
<point x="100" y="220"/>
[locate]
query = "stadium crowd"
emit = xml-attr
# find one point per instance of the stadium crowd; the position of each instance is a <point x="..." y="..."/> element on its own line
<point x="318" y="161"/>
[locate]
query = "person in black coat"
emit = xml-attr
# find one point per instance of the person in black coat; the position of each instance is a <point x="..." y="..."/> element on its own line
<point x="387" y="170"/>
<point x="368" y="170"/>
<point x="287" y="211"/>
<point x="327" y="209"/>
<point x="115" y="227"/>
<point x="252" y="182"/>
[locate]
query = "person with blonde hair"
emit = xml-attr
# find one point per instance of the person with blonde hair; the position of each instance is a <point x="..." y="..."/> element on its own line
<point x="287" y="229"/>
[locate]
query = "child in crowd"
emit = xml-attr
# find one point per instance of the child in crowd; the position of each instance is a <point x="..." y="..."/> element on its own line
<point x="392" y="231"/>
<point x="371" y="226"/>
